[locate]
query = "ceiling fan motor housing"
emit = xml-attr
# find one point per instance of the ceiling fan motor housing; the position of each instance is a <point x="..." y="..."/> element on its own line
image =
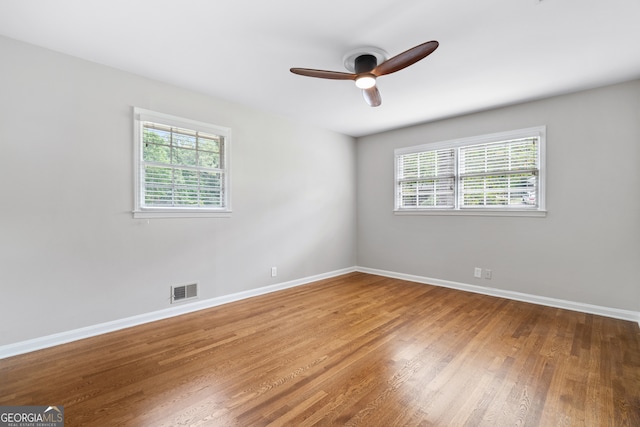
<point x="365" y="63"/>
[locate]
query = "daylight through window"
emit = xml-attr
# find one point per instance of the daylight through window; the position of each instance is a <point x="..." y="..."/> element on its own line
<point x="182" y="166"/>
<point x="499" y="172"/>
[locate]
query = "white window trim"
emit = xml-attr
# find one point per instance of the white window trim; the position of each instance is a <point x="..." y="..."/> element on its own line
<point x="139" y="211"/>
<point x="539" y="131"/>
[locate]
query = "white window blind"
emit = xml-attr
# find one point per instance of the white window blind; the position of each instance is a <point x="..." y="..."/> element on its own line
<point x="499" y="174"/>
<point x="491" y="173"/>
<point x="181" y="166"/>
<point x="427" y="179"/>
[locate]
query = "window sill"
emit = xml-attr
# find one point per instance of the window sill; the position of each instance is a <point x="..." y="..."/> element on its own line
<point x="183" y="213"/>
<point x="472" y="212"/>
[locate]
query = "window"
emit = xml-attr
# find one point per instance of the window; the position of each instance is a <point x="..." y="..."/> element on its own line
<point x="181" y="167"/>
<point x="498" y="174"/>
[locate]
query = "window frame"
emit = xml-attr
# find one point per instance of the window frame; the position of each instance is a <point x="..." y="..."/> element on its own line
<point x="538" y="211"/>
<point x="140" y="116"/>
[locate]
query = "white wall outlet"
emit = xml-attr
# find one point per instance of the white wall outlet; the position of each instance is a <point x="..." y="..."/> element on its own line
<point x="487" y="273"/>
<point x="274" y="271"/>
<point x="477" y="272"/>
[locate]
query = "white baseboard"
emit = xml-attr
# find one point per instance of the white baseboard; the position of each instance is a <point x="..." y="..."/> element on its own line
<point x="103" y="328"/>
<point x="616" y="313"/>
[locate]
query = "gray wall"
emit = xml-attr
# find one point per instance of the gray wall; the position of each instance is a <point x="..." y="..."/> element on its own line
<point x="586" y="250"/>
<point x="71" y="255"/>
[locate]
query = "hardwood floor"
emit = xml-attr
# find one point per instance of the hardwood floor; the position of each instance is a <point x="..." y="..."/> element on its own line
<point x="356" y="350"/>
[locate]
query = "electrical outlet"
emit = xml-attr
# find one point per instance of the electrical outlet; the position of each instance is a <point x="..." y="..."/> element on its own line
<point x="477" y="272"/>
<point x="487" y="274"/>
<point x="274" y="271"/>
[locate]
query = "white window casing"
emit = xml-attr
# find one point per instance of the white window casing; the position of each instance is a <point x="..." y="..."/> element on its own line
<point x="501" y="174"/>
<point x="181" y="167"/>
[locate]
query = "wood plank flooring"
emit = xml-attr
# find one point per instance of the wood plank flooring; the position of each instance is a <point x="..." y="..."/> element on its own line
<point x="356" y="350"/>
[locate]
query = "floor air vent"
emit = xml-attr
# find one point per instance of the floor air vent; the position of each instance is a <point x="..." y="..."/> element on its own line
<point x="184" y="292"/>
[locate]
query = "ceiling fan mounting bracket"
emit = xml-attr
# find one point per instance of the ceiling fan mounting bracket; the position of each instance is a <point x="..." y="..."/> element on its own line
<point x="349" y="59"/>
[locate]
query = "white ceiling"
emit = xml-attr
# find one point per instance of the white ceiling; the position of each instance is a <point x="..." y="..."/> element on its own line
<point x="492" y="52"/>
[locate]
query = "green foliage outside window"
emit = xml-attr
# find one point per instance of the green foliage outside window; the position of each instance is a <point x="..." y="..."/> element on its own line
<point x="182" y="168"/>
<point x="487" y="175"/>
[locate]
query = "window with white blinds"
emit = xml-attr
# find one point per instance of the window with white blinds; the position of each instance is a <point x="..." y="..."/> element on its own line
<point x="427" y="179"/>
<point x="181" y="166"/>
<point x="498" y="173"/>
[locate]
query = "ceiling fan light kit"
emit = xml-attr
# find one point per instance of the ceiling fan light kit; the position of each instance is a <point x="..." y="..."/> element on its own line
<point x="366" y="81"/>
<point x="363" y="64"/>
<point x="367" y="64"/>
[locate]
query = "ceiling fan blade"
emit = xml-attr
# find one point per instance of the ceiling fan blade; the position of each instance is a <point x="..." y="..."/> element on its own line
<point x="323" y="74"/>
<point x="372" y="96"/>
<point x="405" y="58"/>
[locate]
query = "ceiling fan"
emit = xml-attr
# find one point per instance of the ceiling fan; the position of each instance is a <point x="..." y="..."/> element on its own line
<point x="364" y="68"/>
